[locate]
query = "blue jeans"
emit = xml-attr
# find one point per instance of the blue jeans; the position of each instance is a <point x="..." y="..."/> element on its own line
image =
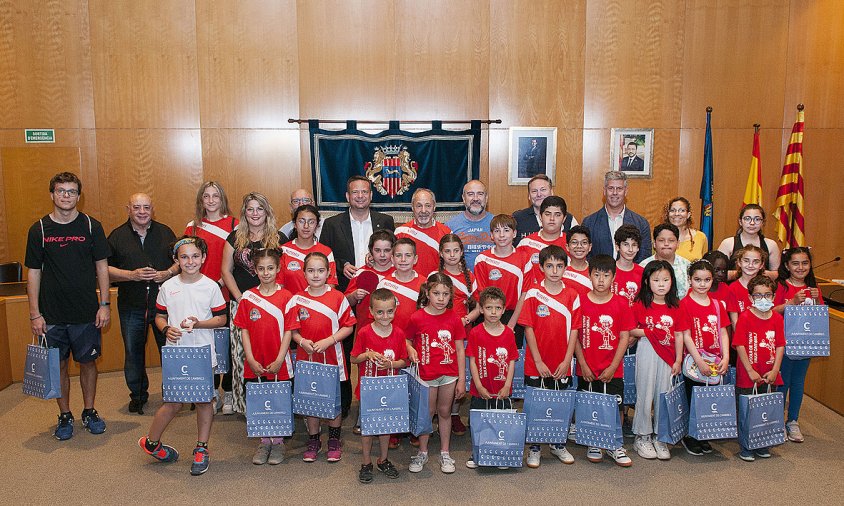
<point x="134" y="326"/>
<point x="793" y="377"/>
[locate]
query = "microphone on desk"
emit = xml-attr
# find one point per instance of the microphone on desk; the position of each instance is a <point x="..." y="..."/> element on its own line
<point x="826" y="263"/>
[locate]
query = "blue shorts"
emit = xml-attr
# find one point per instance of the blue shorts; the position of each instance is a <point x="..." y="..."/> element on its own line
<point x="83" y="339"/>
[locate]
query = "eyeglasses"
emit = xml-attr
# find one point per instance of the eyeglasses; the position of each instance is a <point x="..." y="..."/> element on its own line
<point x="65" y="192"/>
<point x="760" y="296"/>
<point x="302" y="201"/>
<point x="752" y="219"/>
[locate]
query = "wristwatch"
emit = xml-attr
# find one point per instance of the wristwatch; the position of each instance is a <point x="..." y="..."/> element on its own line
<point x="103" y="304"/>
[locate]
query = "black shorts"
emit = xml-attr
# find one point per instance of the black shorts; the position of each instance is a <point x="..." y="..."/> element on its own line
<point x="83" y="339"/>
<point x="614" y="387"/>
<point x="548" y="383"/>
<point x="479" y="403"/>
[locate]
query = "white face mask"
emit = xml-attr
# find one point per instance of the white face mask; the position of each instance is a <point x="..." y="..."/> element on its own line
<point x="763" y="305"/>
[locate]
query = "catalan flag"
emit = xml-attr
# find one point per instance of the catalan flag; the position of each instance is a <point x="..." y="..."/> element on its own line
<point x="753" y="190"/>
<point x="789" y="212"/>
<point x="707" y="182"/>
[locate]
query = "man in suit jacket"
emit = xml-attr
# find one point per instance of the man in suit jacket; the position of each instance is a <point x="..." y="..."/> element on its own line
<point x="347" y="234"/>
<point x="631" y="162"/>
<point x="527" y="219"/>
<point x="604" y="222"/>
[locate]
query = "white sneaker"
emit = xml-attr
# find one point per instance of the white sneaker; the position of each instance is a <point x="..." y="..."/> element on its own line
<point x="662" y="451"/>
<point x="417" y="462"/>
<point x="533" y="459"/>
<point x="594" y="455"/>
<point x="562" y="453"/>
<point x="619" y="455"/>
<point x="446" y="463"/>
<point x="228" y="403"/>
<point x="644" y="447"/>
<point x="792" y="430"/>
<point x="471" y="464"/>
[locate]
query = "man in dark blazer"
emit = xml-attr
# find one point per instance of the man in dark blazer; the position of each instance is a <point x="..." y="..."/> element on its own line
<point x="347" y="234"/>
<point x="631" y="162"/>
<point x="527" y="219"/>
<point x="604" y="222"/>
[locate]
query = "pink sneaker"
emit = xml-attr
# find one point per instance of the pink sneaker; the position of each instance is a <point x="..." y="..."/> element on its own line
<point x="335" y="450"/>
<point x="312" y="450"/>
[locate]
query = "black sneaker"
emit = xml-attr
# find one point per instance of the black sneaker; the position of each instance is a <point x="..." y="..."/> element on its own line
<point x="365" y="473"/>
<point x="134" y="405"/>
<point x="64" y="429"/>
<point x="692" y="446"/>
<point x="92" y="421"/>
<point x="705" y="447"/>
<point x="388" y="469"/>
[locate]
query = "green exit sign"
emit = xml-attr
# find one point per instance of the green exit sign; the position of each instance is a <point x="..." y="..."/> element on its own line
<point x="40" y="135"/>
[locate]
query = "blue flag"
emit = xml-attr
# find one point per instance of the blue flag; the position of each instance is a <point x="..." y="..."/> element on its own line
<point x="707" y="182"/>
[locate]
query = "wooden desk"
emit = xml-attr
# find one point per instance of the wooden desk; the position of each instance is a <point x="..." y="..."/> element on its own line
<point x="825" y="379"/>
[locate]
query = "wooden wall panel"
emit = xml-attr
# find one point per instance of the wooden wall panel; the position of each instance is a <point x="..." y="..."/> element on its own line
<point x="144" y="61"/>
<point x="248" y="63"/>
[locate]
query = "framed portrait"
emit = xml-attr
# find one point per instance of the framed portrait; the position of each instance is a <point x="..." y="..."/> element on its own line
<point x="632" y="151"/>
<point x="533" y="150"/>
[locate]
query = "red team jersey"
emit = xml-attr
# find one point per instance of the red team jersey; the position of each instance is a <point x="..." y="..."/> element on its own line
<point x="292" y="272"/>
<point x="509" y="273"/>
<point x="578" y="281"/>
<point x="462" y="293"/>
<point x="705" y="323"/>
<point x="660" y="322"/>
<point x="628" y="283"/>
<point x="320" y="317"/>
<point x="761" y="338"/>
<point x="427" y="244"/>
<point x="741" y="297"/>
<point x="552" y="318"/>
<point x="493" y="355"/>
<point x="434" y="337"/>
<point x="362" y="313"/>
<point x="532" y="245"/>
<point x="393" y="347"/>
<point x="600" y="330"/>
<point x="215" y="234"/>
<point x="407" y="293"/>
<point x="265" y="319"/>
<point x="785" y="293"/>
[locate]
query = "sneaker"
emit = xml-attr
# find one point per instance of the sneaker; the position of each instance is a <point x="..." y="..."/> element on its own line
<point x="746" y="455"/>
<point x="135" y="405"/>
<point x="594" y="455"/>
<point x="356" y="430"/>
<point x="312" y="450"/>
<point x="162" y="452"/>
<point x="262" y="454"/>
<point x="395" y="441"/>
<point x="627" y="428"/>
<point x="92" y="421"/>
<point x="446" y="463"/>
<point x="414" y="441"/>
<point x="276" y="454"/>
<point x="692" y="446"/>
<point x="619" y="455"/>
<point x="457" y="427"/>
<point x="763" y="453"/>
<point x="200" y="461"/>
<point x="562" y="453"/>
<point x="534" y="458"/>
<point x="792" y="430"/>
<point x="228" y="403"/>
<point x="388" y="469"/>
<point x="644" y="447"/>
<point x="365" y="474"/>
<point x="64" y="429"/>
<point x="705" y="447"/>
<point x="335" y="450"/>
<point x="662" y="451"/>
<point x="471" y="464"/>
<point x="417" y="462"/>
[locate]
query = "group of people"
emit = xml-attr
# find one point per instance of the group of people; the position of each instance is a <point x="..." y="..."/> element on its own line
<point x="356" y="289"/>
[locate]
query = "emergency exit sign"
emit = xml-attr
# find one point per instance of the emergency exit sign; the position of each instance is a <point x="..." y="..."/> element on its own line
<point x="40" y="135"/>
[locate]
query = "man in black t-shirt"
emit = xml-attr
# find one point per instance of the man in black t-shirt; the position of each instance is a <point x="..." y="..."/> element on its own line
<point x="140" y="261"/>
<point x="66" y="253"/>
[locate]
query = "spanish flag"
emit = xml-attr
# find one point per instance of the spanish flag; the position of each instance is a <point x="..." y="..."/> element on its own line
<point x="753" y="190"/>
<point x="789" y="212"/>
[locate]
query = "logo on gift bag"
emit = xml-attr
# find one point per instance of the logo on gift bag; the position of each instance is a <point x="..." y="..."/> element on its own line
<point x="268" y="406"/>
<point x="714" y="407"/>
<point x="548" y="412"/>
<point x="313" y="386"/>
<point x="501" y="435"/>
<point x="32" y="368"/>
<point x="184" y="370"/>
<point x="594" y="416"/>
<point x="807" y="326"/>
<point x="764" y="416"/>
<point x="383" y="401"/>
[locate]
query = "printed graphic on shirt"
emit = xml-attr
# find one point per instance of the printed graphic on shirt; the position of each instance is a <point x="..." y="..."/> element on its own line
<point x="604" y="327"/>
<point x="665" y="324"/>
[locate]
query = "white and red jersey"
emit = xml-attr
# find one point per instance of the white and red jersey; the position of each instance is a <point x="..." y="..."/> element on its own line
<point x="741" y="295"/>
<point x="434" y="337"/>
<point x="760" y="338"/>
<point x="628" y="283"/>
<point x="532" y="245"/>
<point x="552" y="318"/>
<point x="406" y="292"/>
<point x="362" y="313"/>
<point x="291" y="275"/>
<point x="600" y="330"/>
<point x="320" y="317"/>
<point x="659" y="323"/>
<point x="392" y="347"/>
<point x="214" y="233"/>
<point x="787" y="292"/>
<point x="510" y="274"/>
<point x="265" y="319"/>
<point x="427" y="243"/>
<point x="493" y="355"/>
<point x="705" y="323"/>
<point x="579" y="281"/>
<point x="462" y="292"/>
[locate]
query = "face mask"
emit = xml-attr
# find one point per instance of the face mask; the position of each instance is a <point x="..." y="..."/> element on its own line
<point x="763" y="305"/>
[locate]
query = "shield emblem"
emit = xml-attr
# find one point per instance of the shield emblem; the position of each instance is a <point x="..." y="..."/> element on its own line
<point x="391" y="174"/>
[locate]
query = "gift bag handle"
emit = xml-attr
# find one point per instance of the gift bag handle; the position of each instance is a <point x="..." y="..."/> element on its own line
<point x="42" y="340"/>
<point x="324" y="359"/>
<point x="502" y="399"/>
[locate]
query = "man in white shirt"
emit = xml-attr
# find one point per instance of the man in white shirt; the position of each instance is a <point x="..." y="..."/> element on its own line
<point x="604" y="222"/>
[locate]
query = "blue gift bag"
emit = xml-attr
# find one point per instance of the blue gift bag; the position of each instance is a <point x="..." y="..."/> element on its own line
<point x="673" y="420"/>
<point x="420" y="414"/>
<point x="498" y="437"/>
<point x="761" y="420"/>
<point x="519" y="377"/>
<point x="269" y="409"/>
<point x="629" y="379"/>
<point x="468" y="374"/>
<point x="598" y="420"/>
<point x="186" y="374"/>
<point x="316" y="390"/>
<point x="548" y="414"/>
<point x="384" y="405"/>
<point x="730" y="377"/>
<point x="42" y="371"/>
<point x="221" y="349"/>
<point x="806" y="331"/>
<point x="712" y="414"/>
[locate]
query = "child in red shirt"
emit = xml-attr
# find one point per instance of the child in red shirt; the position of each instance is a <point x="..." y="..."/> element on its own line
<point x="404" y="282"/>
<point x="576" y="276"/>
<point x="379" y="349"/>
<point x="306" y="219"/>
<point x="628" y="274"/>
<point x="552" y="215"/>
<point x="751" y="260"/>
